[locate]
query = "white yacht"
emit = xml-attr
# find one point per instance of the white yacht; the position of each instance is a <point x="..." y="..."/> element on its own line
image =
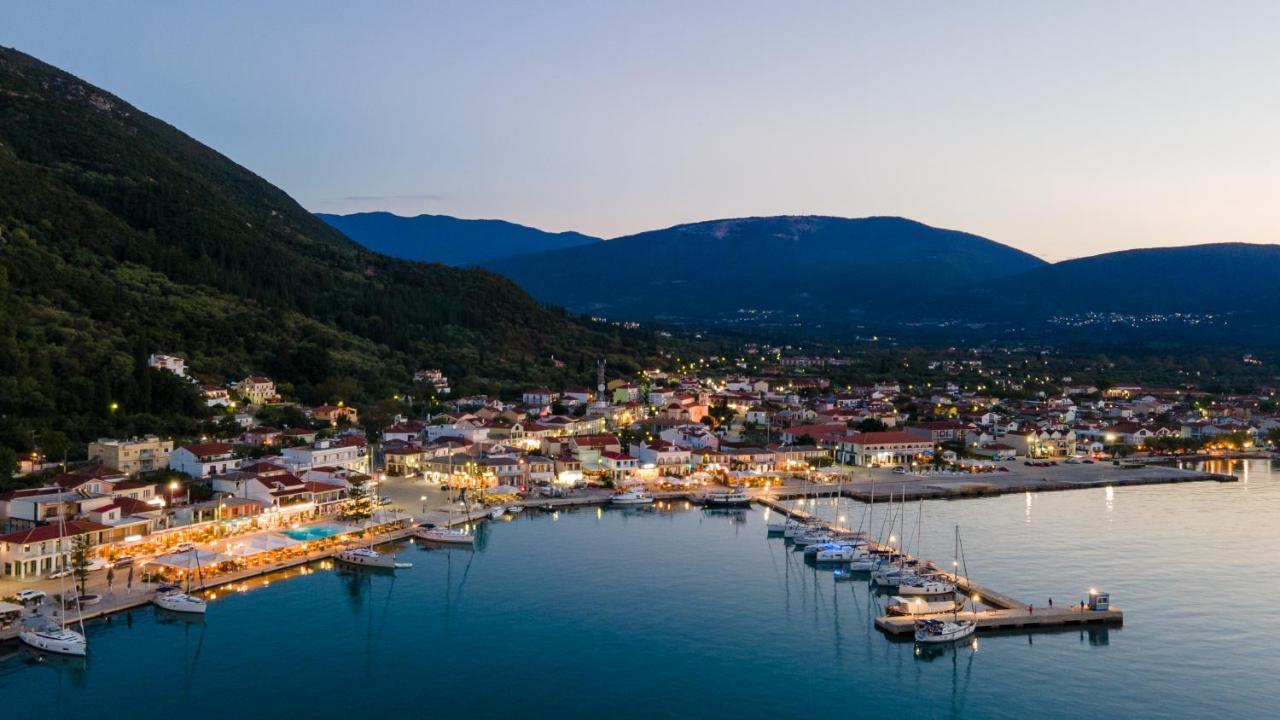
<point x="444" y="535"/>
<point x="173" y="599"/>
<point x="944" y="631"/>
<point x="57" y="640"/>
<point x="497" y="512"/>
<point x="899" y="605"/>
<point x="779" y="525"/>
<point x="634" y="496"/>
<point x="926" y="587"/>
<point x="366" y="557"/>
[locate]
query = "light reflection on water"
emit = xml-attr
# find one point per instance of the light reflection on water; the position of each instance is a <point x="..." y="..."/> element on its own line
<point x="651" y="613"/>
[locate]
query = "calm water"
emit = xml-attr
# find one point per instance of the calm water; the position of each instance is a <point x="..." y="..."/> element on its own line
<point x="627" y="614"/>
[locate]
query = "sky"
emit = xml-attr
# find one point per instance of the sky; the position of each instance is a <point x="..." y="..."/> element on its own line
<point x="1061" y="128"/>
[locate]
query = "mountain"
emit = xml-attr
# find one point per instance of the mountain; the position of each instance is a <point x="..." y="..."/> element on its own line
<point x="1235" y="278"/>
<point x="121" y="236"/>
<point x="448" y="240"/>
<point x="835" y="268"/>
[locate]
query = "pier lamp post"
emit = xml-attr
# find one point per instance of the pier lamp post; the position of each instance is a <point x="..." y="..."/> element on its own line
<point x="424" y="504"/>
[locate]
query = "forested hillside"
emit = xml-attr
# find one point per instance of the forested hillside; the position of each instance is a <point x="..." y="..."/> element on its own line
<point x="121" y="236"/>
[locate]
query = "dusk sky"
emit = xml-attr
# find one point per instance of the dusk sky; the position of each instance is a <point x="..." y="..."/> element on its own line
<point x="1064" y="129"/>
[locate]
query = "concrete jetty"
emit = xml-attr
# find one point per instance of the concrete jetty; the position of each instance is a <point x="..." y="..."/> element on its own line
<point x="1005" y="613"/>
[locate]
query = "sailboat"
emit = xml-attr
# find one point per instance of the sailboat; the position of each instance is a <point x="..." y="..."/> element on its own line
<point x="933" y="631"/>
<point x="447" y="535"/>
<point x="173" y="599"/>
<point x="61" y="640"/>
<point x="366" y="556"/>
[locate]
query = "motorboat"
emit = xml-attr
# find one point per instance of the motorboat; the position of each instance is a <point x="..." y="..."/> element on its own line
<point x="892" y="577"/>
<point x="796" y="528"/>
<point x="172" y="598"/>
<point x="836" y="552"/>
<point x="926" y="586"/>
<point x="634" y="496"/>
<point x="366" y="557"/>
<point x="863" y="565"/>
<point x="59" y="640"/>
<point x="734" y="497"/>
<point x="444" y="535"/>
<point x="497" y="512"/>
<point x="944" y="631"/>
<point x="899" y="605"/>
<point x="805" y="541"/>
<point x="515" y="509"/>
<point x="779" y="526"/>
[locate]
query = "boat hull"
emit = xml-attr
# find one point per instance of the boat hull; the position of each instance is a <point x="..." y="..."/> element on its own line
<point x="63" y="643"/>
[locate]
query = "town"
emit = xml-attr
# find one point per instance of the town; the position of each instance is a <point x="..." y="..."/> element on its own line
<point x="770" y="419"/>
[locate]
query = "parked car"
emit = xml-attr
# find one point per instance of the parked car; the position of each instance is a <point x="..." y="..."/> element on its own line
<point x="96" y="564"/>
<point x="29" y="596"/>
<point x="123" y="561"/>
<point x="184" y="547"/>
<point x="60" y="573"/>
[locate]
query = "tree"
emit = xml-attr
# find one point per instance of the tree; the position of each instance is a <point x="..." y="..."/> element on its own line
<point x="81" y="556"/>
<point x="359" y="505"/>
<point x="871" y="425"/>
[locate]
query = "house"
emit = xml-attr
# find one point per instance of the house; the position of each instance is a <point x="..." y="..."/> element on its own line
<point x="215" y="396"/>
<point x="939" y="431"/>
<point x="892" y="447"/>
<point x="348" y="452"/>
<point x="589" y="448"/>
<point x="691" y="436"/>
<point x="200" y="460"/>
<point x="262" y="435"/>
<point x="434" y="378"/>
<point x="168" y="363"/>
<point x="667" y="458"/>
<point x="403" y="459"/>
<point x="335" y="415"/>
<point x="753" y="459"/>
<point x="539" y="397"/>
<point x="408" y="431"/>
<point x="258" y="390"/>
<point x="618" y="465"/>
<point x="577" y="396"/>
<point x="295" y="436"/>
<point x="39" y="550"/>
<point x="132" y="456"/>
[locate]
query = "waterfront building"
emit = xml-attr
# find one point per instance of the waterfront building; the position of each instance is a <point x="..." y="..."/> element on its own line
<point x="200" y="460"/>
<point x="132" y="456"/>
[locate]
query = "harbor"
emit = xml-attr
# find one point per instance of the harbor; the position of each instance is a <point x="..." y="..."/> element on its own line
<point x="585" y="595"/>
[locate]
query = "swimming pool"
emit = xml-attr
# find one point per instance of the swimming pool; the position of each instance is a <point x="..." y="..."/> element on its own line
<point x="308" y="533"/>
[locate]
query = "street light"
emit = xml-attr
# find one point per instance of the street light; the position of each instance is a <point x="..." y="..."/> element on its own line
<point x="424" y="504"/>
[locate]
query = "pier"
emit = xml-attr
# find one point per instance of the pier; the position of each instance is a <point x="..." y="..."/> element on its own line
<point x="1005" y="613"/>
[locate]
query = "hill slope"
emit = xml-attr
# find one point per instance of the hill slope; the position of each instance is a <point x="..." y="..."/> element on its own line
<point x="121" y="236"/>
<point x="835" y="267"/>
<point x="448" y="240"/>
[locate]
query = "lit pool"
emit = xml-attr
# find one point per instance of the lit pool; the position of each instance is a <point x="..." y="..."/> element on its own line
<point x="308" y="533"/>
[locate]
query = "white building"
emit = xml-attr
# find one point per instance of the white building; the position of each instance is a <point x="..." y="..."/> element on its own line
<point x="169" y="363"/>
<point x="204" y="459"/>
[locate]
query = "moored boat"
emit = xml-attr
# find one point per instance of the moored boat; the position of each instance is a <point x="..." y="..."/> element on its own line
<point x="634" y="496"/>
<point x="734" y="497"/>
<point x="59" y="640"/>
<point x="444" y="535"/>
<point x="366" y="557"/>
<point x="926" y="587"/>
<point x="943" y="631"/>
<point x="899" y="605"/>
<point x="172" y="598"/>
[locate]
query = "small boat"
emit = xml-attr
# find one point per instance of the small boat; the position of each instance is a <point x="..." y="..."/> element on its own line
<point x="515" y="509"/>
<point x="779" y="526"/>
<point x="171" y="598"/>
<point x="403" y="565"/>
<point x="734" y="497"/>
<point x="58" y="640"/>
<point x="634" y="496"/>
<point x="497" y="512"/>
<point x="892" y="577"/>
<point x="899" y="605"/>
<point x="943" y="631"/>
<point x="863" y="565"/>
<point x="444" y="535"/>
<point x="366" y="557"/>
<point x="928" y="587"/>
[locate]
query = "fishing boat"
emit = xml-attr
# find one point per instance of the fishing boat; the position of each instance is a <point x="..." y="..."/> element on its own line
<point x="899" y="605"/>
<point x="61" y="640"/>
<point x="933" y="631"/>
<point x="444" y="535"/>
<point x="173" y="599"/>
<point x="734" y="497"/>
<point x="634" y="496"/>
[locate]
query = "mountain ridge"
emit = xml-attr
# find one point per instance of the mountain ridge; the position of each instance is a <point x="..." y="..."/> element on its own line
<point x="447" y="239"/>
